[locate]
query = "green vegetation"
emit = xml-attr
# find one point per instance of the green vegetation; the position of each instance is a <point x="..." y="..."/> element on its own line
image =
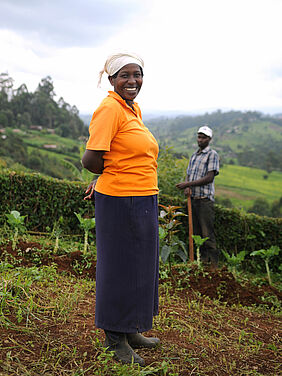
<point x="171" y="246"/>
<point x="235" y="186"/>
<point x="20" y="108"/>
<point x="243" y="185"/>
<point x="45" y="200"/>
<point x="16" y="222"/>
<point x="36" y="130"/>
<point x="198" y="242"/>
<point x="234" y="261"/>
<point x="267" y="254"/>
<point x="86" y="224"/>
<point x="245" y="138"/>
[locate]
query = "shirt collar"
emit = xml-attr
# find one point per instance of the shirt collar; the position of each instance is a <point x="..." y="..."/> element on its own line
<point x="205" y="150"/>
<point x="115" y="95"/>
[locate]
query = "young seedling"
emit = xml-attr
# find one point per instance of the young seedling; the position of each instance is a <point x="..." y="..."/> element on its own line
<point x="267" y="254"/>
<point x="198" y="242"/>
<point x="16" y="221"/>
<point x="86" y="224"/>
<point x="234" y="261"/>
<point x="56" y="232"/>
<point x="170" y="244"/>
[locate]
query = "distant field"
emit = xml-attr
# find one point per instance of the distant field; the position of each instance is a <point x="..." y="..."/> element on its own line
<point x="242" y="185"/>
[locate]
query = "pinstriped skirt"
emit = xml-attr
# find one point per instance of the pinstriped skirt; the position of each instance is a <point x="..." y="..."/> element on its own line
<point x="127" y="262"/>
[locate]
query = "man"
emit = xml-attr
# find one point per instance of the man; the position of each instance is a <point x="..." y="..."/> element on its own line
<point x="203" y="167"/>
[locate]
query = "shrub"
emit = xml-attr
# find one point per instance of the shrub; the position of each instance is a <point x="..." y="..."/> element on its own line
<point x="43" y="200"/>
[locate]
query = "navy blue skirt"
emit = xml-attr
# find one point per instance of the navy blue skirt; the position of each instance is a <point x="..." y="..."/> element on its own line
<point x="127" y="262"/>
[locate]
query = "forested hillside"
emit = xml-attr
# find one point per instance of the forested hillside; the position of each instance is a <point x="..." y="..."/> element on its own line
<point x="37" y="132"/>
<point x="248" y="139"/>
<point x="20" y="108"/>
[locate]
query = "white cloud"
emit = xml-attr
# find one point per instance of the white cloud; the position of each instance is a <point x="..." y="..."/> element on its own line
<point x="199" y="55"/>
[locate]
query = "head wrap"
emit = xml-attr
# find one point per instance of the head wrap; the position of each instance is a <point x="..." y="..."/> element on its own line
<point x="115" y="62"/>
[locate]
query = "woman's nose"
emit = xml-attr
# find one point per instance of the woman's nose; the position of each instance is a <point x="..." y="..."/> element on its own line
<point x="131" y="79"/>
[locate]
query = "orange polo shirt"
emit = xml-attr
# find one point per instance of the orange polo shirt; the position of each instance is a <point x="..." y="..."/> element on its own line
<point x="130" y="161"/>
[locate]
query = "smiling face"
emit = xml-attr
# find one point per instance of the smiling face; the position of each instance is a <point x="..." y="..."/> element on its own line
<point x="127" y="82"/>
<point x="203" y="140"/>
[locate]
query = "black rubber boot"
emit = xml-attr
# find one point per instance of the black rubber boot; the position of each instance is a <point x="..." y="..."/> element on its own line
<point x="118" y="343"/>
<point x="137" y="341"/>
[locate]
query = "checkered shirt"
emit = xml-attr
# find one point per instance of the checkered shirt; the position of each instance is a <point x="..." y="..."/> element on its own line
<point x="201" y="162"/>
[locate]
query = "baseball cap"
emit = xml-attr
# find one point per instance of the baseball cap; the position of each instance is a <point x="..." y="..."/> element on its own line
<point x="205" y="130"/>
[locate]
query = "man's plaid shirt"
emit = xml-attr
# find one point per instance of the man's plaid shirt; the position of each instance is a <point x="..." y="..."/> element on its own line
<point x="201" y="162"/>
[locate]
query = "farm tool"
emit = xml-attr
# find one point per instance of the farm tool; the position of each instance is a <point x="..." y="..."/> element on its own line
<point x="190" y="225"/>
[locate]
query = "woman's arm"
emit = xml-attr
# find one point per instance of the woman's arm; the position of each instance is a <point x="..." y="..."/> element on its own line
<point x="93" y="161"/>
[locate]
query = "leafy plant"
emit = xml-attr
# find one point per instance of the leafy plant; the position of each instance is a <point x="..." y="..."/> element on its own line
<point x="56" y="232"/>
<point x="198" y="242"/>
<point x="16" y="222"/>
<point x="86" y="224"/>
<point x="267" y="254"/>
<point x="170" y="244"/>
<point x="234" y="261"/>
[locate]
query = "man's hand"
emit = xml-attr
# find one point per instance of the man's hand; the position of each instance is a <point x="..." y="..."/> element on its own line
<point x="182" y="185"/>
<point x="187" y="191"/>
<point x="91" y="189"/>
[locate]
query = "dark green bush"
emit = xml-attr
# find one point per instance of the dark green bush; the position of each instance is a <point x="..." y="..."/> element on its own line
<point x="44" y="200"/>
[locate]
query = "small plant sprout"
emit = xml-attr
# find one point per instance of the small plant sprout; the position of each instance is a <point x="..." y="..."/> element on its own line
<point x="16" y="222"/>
<point x="86" y="224"/>
<point x="56" y="232"/>
<point x="267" y="254"/>
<point x="198" y="242"/>
<point x="170" y="244"/>
<point x="234" y="261"/>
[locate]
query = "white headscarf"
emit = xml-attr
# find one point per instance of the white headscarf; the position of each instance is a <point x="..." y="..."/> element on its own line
<point x="115" y="62"/>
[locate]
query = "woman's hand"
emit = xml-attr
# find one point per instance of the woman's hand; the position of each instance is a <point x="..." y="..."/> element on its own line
<point x="90" y="189"/>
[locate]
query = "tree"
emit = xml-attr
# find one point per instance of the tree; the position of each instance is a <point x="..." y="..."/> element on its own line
<point x="260" y="207"/>
<point x="6" y="85"/>
<point x="46" y="87"/>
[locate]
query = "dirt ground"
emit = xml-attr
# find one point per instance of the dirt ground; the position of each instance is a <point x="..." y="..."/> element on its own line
<point x="217" y="284"/>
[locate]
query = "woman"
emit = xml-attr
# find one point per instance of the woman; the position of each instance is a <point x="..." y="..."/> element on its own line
<point x="124" y="152"/>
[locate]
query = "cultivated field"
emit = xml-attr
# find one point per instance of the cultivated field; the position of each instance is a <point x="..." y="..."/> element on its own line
<point x="210" y="323"/>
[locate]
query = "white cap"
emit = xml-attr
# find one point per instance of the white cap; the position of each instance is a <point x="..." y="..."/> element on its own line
<point x="205" y="130"/>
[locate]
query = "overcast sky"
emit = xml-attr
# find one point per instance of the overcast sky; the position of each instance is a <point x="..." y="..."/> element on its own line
<point x="200" y="55"/>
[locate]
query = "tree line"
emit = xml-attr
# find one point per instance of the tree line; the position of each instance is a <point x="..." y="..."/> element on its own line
<point x="20" y="108"/>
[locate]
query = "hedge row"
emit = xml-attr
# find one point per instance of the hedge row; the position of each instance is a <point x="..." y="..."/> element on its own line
<point x="44" y="200"/>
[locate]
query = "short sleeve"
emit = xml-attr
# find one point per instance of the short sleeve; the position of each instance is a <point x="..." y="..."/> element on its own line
<point x="213" y="164"/>
<point x="103" y="127"/>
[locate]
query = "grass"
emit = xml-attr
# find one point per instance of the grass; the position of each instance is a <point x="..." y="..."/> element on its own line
<point x="40" y="138"/>
<point x="244" y="184"/>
